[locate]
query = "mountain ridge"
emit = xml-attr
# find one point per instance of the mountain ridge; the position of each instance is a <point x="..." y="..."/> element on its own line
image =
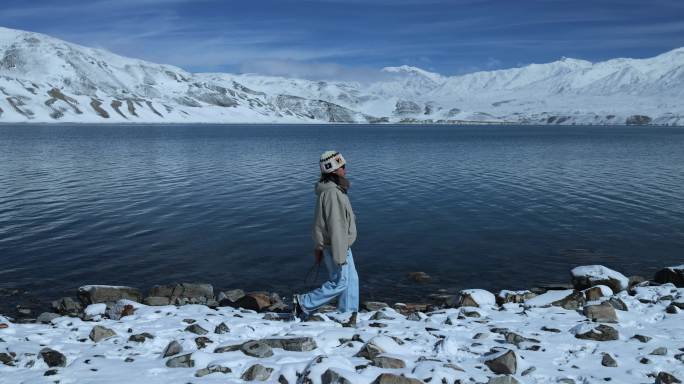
<point x="44" y="79"/>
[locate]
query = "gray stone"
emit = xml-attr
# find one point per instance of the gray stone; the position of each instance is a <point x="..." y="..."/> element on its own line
<point x="298" y="344"/>
<point x="213" y="368"/>
<point x="53" y="358"/>
<point x="67" y="306"/>
<point x="642" y="338"/>
<point x="388" y="362"/>
<point x="332" y="377"/>
<point x="229" y="298"/>
<point x="603" y="313"/>
<point x="505" y="363"/>
<point x="257" y="372"/>
<point x="202" y="342"/>
<point x="371" y="306"/>
<point x="666" y="378"/>
<point x="196" y="329"/>
<point x="256" y="349"/>
<point x="660" y="351"/>
<point x="674" y="275"/>
<point x="221" y="329"/>
<point x="47" y="317"/>
<point x="608" y="361"/>
<point x="184" y="293"/>
<point x="680" y="357"/>
<point x="380" y="315"/>
<point x="99" y="333"/>
<point x="617" y="304"/>
<point x="157" y="301"/>
<point x="390" y="378"/>
<point x="599" y="333"/>
<point x="507" y="379"/>
<point x="634" y="280"/>
<point x="140" y="337"/>
<point x="172" y="349"/>
<point x="94" y="294"/>
<point x="369" y="351"/>
<point x="514" y="338"/>
<point x="528" y="371"/>
<point x="7" y="359"/>
<point x="182" y="361"/>
<point x="672" y="309"/>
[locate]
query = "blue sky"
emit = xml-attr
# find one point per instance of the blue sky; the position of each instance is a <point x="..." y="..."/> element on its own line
<point x="343" y="39"/>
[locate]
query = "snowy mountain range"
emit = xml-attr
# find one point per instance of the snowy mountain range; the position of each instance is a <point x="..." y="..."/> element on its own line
<point x="43" y="79"/>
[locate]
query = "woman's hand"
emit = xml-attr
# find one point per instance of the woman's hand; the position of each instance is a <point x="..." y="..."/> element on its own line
<point x="318" y="255"/>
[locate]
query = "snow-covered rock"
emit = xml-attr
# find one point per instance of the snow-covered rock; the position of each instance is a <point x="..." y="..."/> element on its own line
<point x="476" y="298"/>
<point x="674" y="275"/>
<point x="587" y="276"/>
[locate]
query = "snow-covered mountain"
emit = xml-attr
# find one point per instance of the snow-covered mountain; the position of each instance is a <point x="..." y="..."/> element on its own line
<point x="43" y="79"/>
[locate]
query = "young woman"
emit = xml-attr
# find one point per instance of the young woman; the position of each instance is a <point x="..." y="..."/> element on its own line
<point x="334" y="232"/>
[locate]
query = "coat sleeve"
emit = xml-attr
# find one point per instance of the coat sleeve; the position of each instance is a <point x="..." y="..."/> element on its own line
<point x="319" y="226"/>
<point x="336" y="224"/>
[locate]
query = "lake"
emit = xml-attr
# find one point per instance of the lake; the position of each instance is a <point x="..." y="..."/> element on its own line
<point x="473" y="206"/>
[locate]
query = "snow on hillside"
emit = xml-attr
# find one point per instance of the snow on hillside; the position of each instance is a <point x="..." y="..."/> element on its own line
<point x="43" y="79"/>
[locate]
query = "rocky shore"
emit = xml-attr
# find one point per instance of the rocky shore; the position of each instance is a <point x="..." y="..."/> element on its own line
<point x="600" y="327"/>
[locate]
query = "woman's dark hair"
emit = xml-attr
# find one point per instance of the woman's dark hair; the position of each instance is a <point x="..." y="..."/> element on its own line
<point x="326" y="177"/>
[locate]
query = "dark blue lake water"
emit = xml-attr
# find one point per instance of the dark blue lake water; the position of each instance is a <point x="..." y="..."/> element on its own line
<point x="473" y="206"/>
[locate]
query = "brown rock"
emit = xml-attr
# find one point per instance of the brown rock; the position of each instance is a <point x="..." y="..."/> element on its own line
<point x="603" y="313"/>
<point x="390" y="378"/>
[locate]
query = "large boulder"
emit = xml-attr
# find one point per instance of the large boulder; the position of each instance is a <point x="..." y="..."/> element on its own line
<point x="674" y="275"/>
<point x="94" y="294"/>
<point x="587" y="276"/>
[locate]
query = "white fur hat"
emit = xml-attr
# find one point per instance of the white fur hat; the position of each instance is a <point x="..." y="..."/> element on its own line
<point x="331" y="161"/>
